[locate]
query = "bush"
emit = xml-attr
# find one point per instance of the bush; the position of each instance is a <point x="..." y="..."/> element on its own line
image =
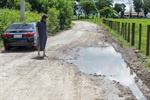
<point x="65" y="13"/>
<point x="7" y="17"/>
<point x="32" y="16"/>
<point x="53" y="21"/>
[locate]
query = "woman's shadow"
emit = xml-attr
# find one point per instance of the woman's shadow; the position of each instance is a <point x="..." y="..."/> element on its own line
<point x="38" y="58"/>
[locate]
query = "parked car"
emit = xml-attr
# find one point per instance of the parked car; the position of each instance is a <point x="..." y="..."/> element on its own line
<point x="20" y="34"/>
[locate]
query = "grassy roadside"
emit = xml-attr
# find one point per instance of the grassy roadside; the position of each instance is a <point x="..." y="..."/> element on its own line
<point x="72" y="24"/>
<point x="144" y="23"/>
<point x="1" y="44"/>
<point x="120" y="38"/>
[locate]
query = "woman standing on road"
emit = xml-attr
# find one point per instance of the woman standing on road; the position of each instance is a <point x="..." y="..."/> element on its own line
<point x="41" y="34"/>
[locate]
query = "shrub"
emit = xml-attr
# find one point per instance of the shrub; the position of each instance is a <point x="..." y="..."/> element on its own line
<point x="53" y="21"/>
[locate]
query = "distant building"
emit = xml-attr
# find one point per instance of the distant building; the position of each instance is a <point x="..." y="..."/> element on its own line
<point x="148" y="15"/>
<point x="134" y="14"/>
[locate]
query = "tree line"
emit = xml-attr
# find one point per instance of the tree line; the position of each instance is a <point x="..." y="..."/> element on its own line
<point x="107" y="8"/>
<point x="60" y="12"/>
<point x="141" y="5"/>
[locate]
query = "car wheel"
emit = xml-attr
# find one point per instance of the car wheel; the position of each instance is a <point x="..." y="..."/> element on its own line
<point x="7" y="48"/>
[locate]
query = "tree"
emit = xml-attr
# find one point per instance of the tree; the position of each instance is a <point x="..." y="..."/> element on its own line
<point x="75" y="7"/>
<point x="3" y="3"/>
<point x="36" y="5"/>
<point x="137" y="6"/>
<point x="130" y="7"/>
<point x="122" y="9"/>
<point x="53" y="21"/>
<point x="60" y="10"/>
<point x="100" y="4"/>
<point x="146" y="7"/>
<point x="78" y="10"/>
<point x="7" y="3"/>
<point x="119" y="7"/>
<point x="107" y="12"/>
<point x="65" y="8"/>
<point x="42" y="6"/>
<point x="88" y="7"/>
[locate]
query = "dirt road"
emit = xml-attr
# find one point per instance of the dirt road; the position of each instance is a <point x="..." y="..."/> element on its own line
<point x="23" y="77"/>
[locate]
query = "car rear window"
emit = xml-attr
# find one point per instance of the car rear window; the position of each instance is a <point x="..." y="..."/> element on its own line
<point x="21" y="26"/>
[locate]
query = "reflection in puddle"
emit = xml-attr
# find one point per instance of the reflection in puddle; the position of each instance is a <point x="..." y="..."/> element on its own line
<point x="104" y="60"/>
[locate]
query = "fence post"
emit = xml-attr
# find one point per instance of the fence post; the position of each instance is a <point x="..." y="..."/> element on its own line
<point x="147" y="43"/>
<point x="125" y="31"/>
<point x="103" y="21"/>
<point x="119" y="27"/>
<point x="115" y="26"/>
<point x="133" y="34"/>
<point x="111" y="24"/>
<point x="107" y="23"/>
<point x="140" y="35"/>
<point x="128" y="32"/>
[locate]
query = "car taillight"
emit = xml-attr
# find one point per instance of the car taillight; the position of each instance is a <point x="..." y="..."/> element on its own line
<point x="7" y="35"/>
<point x="29" y="34"/>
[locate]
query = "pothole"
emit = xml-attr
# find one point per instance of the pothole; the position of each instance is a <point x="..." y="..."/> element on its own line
<point x="102" y="59"/>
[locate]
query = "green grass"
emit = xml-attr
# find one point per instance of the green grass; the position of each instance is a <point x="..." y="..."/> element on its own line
<point x="72" y="24"/>
<point x="1" y="43"/>
<point x="144" y="23"/>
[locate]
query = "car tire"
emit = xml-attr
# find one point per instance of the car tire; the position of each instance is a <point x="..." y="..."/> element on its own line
<point x="7" y="48"/>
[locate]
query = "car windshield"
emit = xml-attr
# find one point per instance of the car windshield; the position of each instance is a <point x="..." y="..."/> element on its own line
<point x="21" y="26"/>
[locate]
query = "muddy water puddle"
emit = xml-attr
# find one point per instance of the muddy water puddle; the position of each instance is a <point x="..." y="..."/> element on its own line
<point x="104" y="60"/>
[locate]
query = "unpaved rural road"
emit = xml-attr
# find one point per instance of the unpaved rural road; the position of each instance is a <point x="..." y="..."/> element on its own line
<point x="23" y="77"/>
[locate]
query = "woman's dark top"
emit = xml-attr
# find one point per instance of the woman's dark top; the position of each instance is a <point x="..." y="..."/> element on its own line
<point x="42" y="34"/>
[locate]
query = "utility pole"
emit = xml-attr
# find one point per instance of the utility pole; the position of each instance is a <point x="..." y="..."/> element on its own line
<point x="22" y="10"/>
<point x="130" y="8"/>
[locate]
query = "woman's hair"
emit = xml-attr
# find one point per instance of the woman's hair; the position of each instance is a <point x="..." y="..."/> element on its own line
<point x="44" y="17"/>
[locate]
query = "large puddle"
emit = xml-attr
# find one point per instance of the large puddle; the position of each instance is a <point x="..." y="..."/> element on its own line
<point x="104" y="60"/>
